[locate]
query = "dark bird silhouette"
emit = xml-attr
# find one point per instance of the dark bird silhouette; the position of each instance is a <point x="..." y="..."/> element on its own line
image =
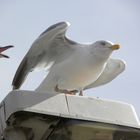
<point x="2" y="49"/>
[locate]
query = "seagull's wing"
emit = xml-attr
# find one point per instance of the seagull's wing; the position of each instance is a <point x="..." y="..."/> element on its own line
<point x="113" y="68"/>
<point x="3" y="49"/>
<point x="51" y="46"/>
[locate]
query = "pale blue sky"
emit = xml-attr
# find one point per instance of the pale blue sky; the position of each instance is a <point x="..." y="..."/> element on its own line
<point x="21" y="22"/>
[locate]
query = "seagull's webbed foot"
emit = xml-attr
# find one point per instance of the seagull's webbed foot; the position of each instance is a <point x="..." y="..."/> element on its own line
<point x="73" y="92"/>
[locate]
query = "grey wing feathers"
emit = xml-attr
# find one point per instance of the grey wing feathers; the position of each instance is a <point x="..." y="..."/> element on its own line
<point x="50" y="46"/>
<point x="21" y="74"/>
<point x="26" y="66"/>
<point x="55" y="26"/>
<point x="113" y="68"/>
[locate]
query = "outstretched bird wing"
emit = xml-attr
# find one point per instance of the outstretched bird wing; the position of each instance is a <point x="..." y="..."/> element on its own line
<point x="2" y="49"/>
<point x="113" y="68"/>
<point x="51" y="46"/>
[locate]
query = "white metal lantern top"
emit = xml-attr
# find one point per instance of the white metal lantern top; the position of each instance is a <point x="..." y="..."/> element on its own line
<point x="69" y="106"/>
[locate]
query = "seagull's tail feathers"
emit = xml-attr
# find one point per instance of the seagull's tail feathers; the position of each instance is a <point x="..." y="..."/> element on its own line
<point x="21" y="74"/>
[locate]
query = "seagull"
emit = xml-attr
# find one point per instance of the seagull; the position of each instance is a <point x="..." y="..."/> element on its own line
<point x="72" y="67"/>
<point x="2" y="49"/>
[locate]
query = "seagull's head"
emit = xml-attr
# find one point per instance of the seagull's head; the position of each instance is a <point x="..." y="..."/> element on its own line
<point x="2" y="49"/>
<point x="104" y="48"/>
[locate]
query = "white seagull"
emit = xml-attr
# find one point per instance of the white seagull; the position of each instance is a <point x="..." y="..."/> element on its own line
<point x="72" y="66"/>
<point x="2" y="49"/>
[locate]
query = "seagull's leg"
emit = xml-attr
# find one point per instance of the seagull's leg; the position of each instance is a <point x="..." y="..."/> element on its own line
<point x="64" y="91"/>
<point x="81" y="93"/>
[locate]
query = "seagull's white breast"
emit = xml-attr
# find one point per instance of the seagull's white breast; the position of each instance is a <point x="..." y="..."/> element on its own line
<point x="76" y="72"/>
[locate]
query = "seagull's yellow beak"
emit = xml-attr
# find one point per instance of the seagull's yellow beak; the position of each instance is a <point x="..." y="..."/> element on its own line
<point x="115" y="47"/>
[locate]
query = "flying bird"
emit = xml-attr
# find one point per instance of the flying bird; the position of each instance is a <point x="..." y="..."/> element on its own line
<point x="2" y="49"/>
<point x="72" y="66"/>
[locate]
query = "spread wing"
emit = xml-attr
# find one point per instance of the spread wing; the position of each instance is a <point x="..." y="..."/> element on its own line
<point x="113" y="68"/>
<point x="51" y="46"/>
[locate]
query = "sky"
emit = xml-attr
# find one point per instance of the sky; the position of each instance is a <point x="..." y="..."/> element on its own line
<point x="21" y="22"/>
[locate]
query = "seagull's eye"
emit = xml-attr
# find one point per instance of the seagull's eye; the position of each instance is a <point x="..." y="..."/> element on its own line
<point x="103" y="43"/>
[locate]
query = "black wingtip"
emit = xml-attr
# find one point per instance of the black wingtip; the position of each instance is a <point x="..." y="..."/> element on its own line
<point x="9" y="46"/>
<point x="14" y="87"/>
<point x="20" y="75"/>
